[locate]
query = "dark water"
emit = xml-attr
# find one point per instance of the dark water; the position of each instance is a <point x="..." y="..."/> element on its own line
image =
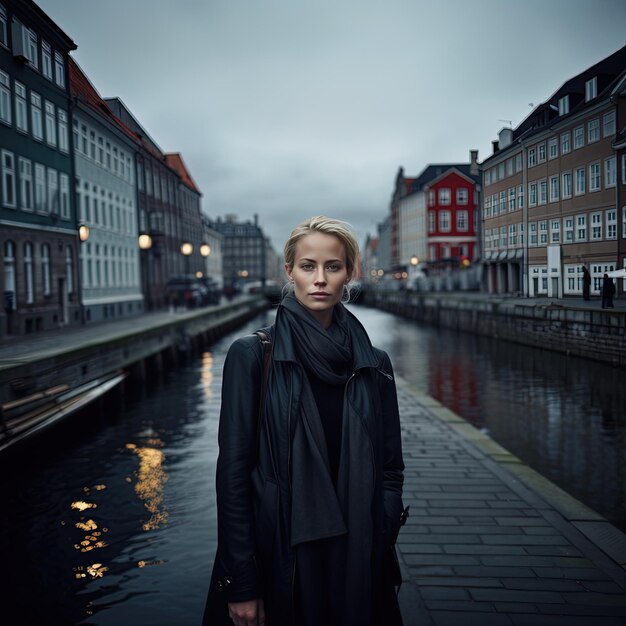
<point x="111" y="520"/>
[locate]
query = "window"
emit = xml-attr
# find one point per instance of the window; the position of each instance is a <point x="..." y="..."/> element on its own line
<point x="100" y="150"/>
<point x="502" y="203"/>
<point x="21" y="115"/>
<point x="580" y="181"/>
<point x="51" y="134"/>
<point x="554" y="188"/>
<point x="543" y="232"/>
<point x="553" y="148"/>
<point x="512" y="199"/>
<point x="591" y="89"/>
<point x="594" y="177"/>
<point x="53" y="191"/>
<point x="581" y="227"/>
<point x="92" y="144"/>
<point x="431" y="222"/>
<point x="596" y="225"/>
<point x="542" y="152"/>
<point x="443" y="194"/>
<point x="518" y="162"/>
<point x="46" y="59"/>
<point x="512" y="234"/>
<point x="83" y="139"/>
<point x="8" y="179"/>
<point x="64" y="145"/>
<point x="9" y="271"/>
<point x="431" y="195"/>
<point x="543" y="192"/>
<point x="555" y="231"/>
<point x="533" y="233"/>
<point x="64" y="187"/>
<point x="611" y="224"/>
<point x="40" y="188"/>
<point x="532" y="194"/>
<point x="566" y="185"/>
<point x="461" y="220"/>
<point x="564" y="105"/>
<point x="29" y="45"/>
<point x="624" y="222"/>
<point x="45" y="269"/>
<point x="4" y="39"/>
<point x="532" y="157"/>
<point x="444" y="221"/>
<point x="500" y="171"/>
<point x="28" y="273"/>
<point x="566" y="145"/>
<point x="568" y="226"/>
<point x="593" y="130"/>
<point x="26" y="184"/>
<point x="59" y="70"/>
<point x="610" y="172"/>
<point x="36" y="118"/>
<point x="608" y="124"/>
<point x="624" y="169"/>
<point x="503" y="237"/>
<point x="520" y="197"/>
<point x="509" y="167"/>
<point x="461" y="196"/>
<point x="487" y="206"/>
<point x="5" y="98"/>
<point x="579" y="137"/>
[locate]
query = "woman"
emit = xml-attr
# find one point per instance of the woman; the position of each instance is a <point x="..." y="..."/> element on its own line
<point x="309" y="511"/>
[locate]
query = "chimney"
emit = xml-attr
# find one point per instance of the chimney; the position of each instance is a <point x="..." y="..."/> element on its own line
<point x="256" y="219"/>
<point x="495" y="145"/>
<point x="474" y="162"/>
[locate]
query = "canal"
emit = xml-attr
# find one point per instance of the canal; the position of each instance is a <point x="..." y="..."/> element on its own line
<point x="111" y="521"/>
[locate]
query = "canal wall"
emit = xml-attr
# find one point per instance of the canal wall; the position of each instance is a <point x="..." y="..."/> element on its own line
<point x="598" y="334"/>
<point x="140" y="348"/>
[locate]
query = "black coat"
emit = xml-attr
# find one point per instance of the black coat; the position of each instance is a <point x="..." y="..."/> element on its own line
<point x="254" y="556"/>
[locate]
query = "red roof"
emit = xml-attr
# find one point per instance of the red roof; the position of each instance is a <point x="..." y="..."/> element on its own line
<point x="81" y="87"/>
<point x="175" y="161"/>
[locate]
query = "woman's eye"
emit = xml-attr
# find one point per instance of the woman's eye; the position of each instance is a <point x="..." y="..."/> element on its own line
<point x="307" y="267"/>
<point x="332" y="268"/>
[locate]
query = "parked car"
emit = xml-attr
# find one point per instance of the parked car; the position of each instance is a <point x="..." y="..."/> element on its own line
<point x="186" y="290"/>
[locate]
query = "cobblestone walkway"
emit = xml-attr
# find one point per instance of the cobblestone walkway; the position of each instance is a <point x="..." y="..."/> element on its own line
<point x="491" y="543"/>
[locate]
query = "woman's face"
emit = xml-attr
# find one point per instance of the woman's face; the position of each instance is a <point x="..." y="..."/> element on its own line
<point x="318" y="274"/>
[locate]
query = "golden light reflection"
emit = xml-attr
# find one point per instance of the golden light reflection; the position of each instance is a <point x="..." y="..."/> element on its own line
<point x="151" y="479"/>
<point x="206" y="374"/>
<point x="83" y="506"/>
<point x="149" y="563"/>
<point x="95" y="571"/>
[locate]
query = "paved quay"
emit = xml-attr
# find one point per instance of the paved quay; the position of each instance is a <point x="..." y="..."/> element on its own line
<point x="489" y="542"/>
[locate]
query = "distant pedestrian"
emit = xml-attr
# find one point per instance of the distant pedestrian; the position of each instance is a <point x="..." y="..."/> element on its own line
<point x="586" y="283"/>
<point x="608" y="291"/>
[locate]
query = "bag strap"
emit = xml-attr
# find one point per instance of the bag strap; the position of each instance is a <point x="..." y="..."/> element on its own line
<point x="267" y="354"/>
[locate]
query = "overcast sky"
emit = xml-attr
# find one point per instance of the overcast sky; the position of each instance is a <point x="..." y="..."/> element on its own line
<point x="293" y="108"/>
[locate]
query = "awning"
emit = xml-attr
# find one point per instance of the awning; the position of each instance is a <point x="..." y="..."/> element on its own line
<point x="519" y="253"/>
<point x="502" y="255"/>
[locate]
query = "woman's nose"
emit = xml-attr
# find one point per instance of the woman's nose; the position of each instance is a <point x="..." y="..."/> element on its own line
<point x="320" y="277"/>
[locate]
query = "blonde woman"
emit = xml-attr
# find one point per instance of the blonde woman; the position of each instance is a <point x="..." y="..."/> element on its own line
<point x="310" y="507"/>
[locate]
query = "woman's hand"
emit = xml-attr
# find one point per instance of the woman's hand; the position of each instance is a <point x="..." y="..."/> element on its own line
<point x="249" y="613"/>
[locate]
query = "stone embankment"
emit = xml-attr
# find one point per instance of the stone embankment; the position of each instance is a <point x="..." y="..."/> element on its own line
<point x="570" y="327"/>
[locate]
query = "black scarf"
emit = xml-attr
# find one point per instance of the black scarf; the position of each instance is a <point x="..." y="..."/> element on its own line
<point x="326" y="353"/>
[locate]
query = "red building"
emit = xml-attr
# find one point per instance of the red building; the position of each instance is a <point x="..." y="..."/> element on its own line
<point x="451" y="201"/>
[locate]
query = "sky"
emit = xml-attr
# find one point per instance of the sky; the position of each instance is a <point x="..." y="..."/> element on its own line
<point x="293" y="108"/>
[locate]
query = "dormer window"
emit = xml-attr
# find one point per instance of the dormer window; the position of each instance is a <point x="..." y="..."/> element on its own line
<point x="564" y="105"/>
<point x="591" y="89"/>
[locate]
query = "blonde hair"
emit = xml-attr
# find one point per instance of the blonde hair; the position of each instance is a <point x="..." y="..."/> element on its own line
<point x="327" y="226"/>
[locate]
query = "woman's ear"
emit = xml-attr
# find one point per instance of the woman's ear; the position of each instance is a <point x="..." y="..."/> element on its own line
<point x="288" y="271"/>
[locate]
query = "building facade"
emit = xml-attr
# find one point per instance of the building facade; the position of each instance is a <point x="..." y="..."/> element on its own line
<point x="106" y="200"/>
<point x="245" y="252"/>
<point x="38" y="233"/>
<point x="550" y="190"/>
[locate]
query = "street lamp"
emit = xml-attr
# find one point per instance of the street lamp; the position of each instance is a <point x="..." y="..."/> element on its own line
<point x="145" y="243"/>
<point x="83" y="235"/>
<point x="205" y="249"/>
<point x="83" y="232"/>
<point x="186" y="249"/>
